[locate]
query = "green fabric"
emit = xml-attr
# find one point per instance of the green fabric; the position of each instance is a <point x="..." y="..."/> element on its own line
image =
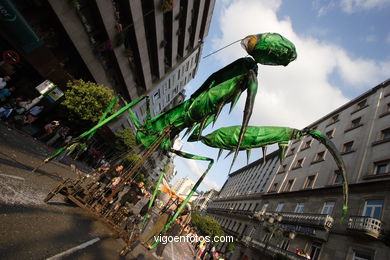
<point x="254" y="137"/>
<point x="227" y="138"/>
<point x="155" y="191"/>
<point x="180" y="209"/>
<point x="104" y="115"/>
<point x="219" y="89"/>
<point x="273" y="49"/>
<point x="340" y="163"/>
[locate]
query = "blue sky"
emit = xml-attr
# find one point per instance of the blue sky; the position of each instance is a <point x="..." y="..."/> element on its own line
<point x="343" y="50"/>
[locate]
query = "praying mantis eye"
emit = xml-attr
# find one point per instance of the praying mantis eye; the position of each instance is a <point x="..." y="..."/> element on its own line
<point x="249" y="42"/>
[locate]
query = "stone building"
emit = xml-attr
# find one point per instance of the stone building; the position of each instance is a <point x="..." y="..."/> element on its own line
<point x="204" y="199"/>
<point x="303" y="196"/>
<point x="135" y="47"/>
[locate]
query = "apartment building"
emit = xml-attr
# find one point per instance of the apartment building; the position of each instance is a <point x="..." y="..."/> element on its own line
<point x="135" y="47"/>
<point x="204" y="199"/>
<point x="303" y="197"/>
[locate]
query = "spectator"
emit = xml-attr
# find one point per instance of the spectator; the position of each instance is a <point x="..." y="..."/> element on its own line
<point x="33" y="113"/>
<point x="36" y="110"/>
<point x="49" y="129"/>
<point x="5" y="92"/>
<point x="3" y="81"/>
<point x="60" y="133"/>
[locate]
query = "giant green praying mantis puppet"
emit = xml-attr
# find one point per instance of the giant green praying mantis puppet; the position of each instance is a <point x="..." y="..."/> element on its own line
<point x="204" y="106"/>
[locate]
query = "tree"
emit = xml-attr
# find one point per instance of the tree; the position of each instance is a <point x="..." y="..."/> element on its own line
<point x="87" y="100"/>
<point x="125" y="140"/>
<point x="230" y="247"/>
<point x="208" y="226"/>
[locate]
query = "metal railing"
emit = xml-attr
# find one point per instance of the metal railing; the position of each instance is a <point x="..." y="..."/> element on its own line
<point x="371" y="226"/>
<point x="243" y="213"/>
<point x="322" y="221"/>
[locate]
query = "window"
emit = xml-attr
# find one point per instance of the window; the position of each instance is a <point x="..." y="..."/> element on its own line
<point x="385" y="135"/>
<point x="299" y="164"/>
<point x="335" y="119"/>
<point x="315" y="251"/>
<point x="289" y="185"/>
<point x="307" y="145"/>
<point x="309" y="182"/>
<point x="266" y="236"/>
<point x="238" y="227"/>
<point x="330" y="133"/>
<point x="386" y="110"/>
<point x="362" y="104"/>
<point x="347" y="147"/>
<point x="361" y="256"/>
<point x="291" y="152"/>
<point x="382" y="167"/>
<point x="338" y="178"/>
<point x="299" y="207"/>
<point x="319" y="157"/>
<point x="274" y="187"/>
<point x="282" y="168"/>
<point x="328" y="208"/>
<point x="285" y="243"/>
<point x="373" y="209"/>
<point x="156" y="95"/>
<point x="280" y="207"/>
<point x="355" y="123"/>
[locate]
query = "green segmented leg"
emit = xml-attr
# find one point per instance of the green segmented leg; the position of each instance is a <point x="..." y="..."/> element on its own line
<point x="166" y="168"/>
<point x="227" y="138"/>
<point x="92" y="130"/>
<point x="104" y="115"/>
<point x="193" y="157"/>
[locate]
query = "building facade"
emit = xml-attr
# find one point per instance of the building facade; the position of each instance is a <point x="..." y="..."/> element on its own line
<point x="183" y="187"/>
<point x="137" y="47"/>
<point x="204" y="199"/>
<point x="306" y="191"/>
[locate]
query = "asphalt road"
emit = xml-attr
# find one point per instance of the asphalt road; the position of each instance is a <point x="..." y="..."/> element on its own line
<point x="32" y="229"/>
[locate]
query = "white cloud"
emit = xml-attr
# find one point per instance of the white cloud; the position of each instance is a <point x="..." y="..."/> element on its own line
<point x="197" y="170"/>
<point x="351" y="6"/>
<point x="300" y="93"/>
<point x="322" y="7"/>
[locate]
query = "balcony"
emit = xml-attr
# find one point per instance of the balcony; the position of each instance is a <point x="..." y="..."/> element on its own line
<point x="321" y="221"/>
<point x="366" y="225"/>
<point x="233" y="233"/>
<point x="270" y="249"/>
<point x="238" y="213"/>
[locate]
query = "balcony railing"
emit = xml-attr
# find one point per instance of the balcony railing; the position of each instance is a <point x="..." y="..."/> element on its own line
<point x="321" y="221"/>
<point x="233" y="233"/>
<point x="270" y="249"/>
<point x="242" y="213"/>
<point x="367" y="225"/>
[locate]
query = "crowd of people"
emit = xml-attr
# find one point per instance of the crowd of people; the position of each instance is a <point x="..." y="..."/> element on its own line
<point x="17" y="109"/>
<point x="124" y="205"/>
<point x="103" y="191"/>
<point x="207" y="251"/>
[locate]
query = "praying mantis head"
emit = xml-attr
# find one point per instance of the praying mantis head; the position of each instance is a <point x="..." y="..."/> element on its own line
<point x="269" y="49"/>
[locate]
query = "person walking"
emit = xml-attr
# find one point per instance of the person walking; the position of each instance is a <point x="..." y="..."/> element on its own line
<point x="3" y="81"/>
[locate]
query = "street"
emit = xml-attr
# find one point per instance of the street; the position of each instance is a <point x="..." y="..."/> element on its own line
<point x="31" y="229"/>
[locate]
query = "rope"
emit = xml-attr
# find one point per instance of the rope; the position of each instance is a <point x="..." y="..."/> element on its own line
<point x="221" y="48"/>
